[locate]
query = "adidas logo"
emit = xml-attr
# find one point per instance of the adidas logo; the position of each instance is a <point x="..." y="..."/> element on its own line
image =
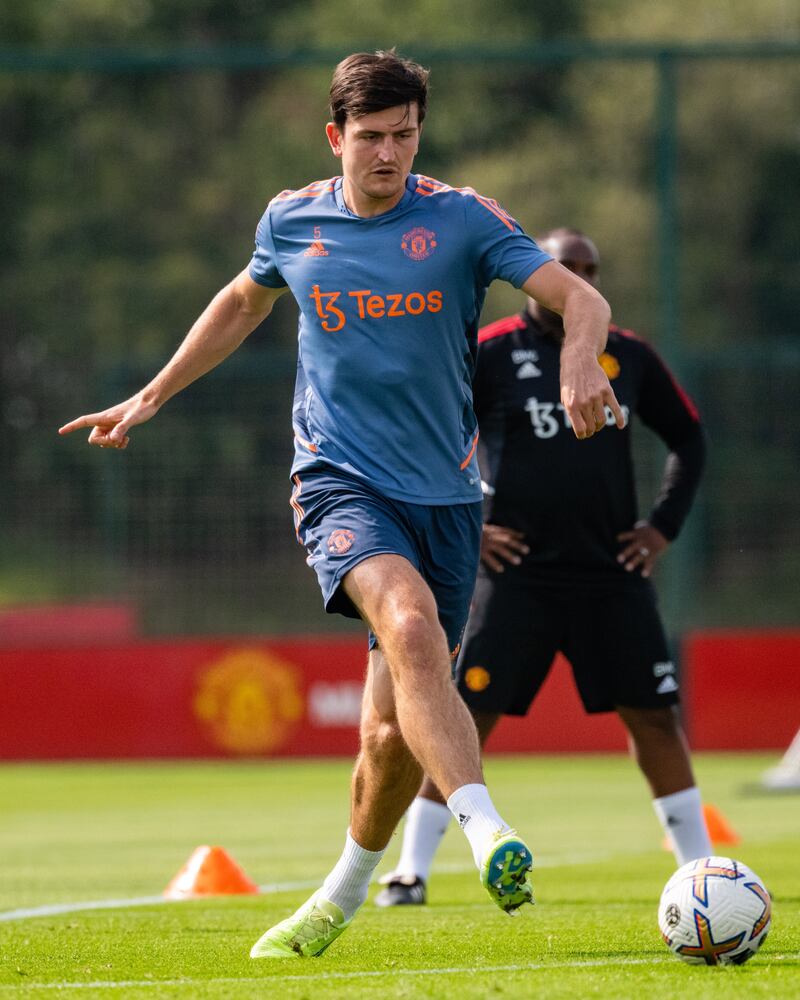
<point x="463" y="820"/>
<point x="668" y="685"/>
<point x="673" y="821"/>
<point x="316" y="250"/>
<point x="528" y="370"/>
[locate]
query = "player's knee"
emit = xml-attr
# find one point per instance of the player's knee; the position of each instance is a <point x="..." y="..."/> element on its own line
<point x="412" y="628"/>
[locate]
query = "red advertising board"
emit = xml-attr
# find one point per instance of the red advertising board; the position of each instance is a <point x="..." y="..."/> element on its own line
<point x="182" y="699"/>
<point x="743" y="688"/>
<point x="301" y="697"/>
<point x="277" y="697"/>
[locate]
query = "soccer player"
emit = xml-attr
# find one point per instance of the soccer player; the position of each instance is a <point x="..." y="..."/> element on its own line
<point x="389" y="269"/>
<point x="565" y="561"/>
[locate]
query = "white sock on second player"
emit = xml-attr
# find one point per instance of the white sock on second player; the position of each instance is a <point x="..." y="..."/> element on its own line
<point x="426" y="823"/>
<point x="681" y="817"/>
<point x="348" y="883"/>
<point x="476" y="815"/>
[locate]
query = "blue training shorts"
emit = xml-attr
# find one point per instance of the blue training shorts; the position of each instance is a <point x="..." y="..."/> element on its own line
<point x="341" y="521"/>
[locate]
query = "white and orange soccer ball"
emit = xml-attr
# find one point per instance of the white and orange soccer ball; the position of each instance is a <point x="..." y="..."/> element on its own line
<point x="714" y="911"/>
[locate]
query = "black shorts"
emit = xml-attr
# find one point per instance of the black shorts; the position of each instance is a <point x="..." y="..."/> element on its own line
<point x="612" y="636"/>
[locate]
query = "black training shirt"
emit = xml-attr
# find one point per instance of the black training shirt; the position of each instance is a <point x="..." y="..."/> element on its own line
<point x="572" y="498"/>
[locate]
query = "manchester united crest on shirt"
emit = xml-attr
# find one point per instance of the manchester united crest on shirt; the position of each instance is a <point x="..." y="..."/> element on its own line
<point x="418" y="243"/>
<point x="477" y="678"/>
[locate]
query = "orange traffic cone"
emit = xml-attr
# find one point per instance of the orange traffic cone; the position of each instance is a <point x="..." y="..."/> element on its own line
<point x="719" y="829"/>
<point x="210" y="871"/>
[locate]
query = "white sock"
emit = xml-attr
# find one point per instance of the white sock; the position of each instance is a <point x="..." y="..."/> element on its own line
<point x="681" y="816"/>
<point x="347" y="884"/>
<point x="426" y="823"/>
<point x="477" y="817"/>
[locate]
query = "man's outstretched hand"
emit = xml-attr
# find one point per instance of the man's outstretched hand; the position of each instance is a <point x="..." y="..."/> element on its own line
<point x="110" y="427"/>
<point x="586" y="392"/>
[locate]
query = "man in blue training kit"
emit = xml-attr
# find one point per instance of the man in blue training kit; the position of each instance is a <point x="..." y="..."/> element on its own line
<point x="389" y="270"/>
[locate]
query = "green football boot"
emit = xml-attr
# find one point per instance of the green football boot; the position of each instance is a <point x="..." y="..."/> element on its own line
<point x="306" y="934"/>
<point x="504" y="872"/>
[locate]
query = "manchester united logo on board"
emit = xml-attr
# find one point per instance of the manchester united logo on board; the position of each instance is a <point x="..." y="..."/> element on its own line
<point x="248" y="700"/>
<point x="418" y="243"/>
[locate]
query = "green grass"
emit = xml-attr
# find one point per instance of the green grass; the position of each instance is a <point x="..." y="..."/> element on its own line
<point x="82" y="832"/>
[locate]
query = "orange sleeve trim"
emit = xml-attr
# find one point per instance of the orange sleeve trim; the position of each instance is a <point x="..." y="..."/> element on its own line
<point x="312" y="190"/>
<point x="492" y="206"/>
<point x="428" y="186"/>
<point x="468" y="459"/>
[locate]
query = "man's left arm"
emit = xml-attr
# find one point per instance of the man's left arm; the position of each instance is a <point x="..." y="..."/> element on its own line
<point x="667" y="410"/>
<point x="585" y="389"/>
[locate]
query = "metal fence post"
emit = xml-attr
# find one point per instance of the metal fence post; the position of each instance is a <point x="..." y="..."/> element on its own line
<point x="678" y="575"/>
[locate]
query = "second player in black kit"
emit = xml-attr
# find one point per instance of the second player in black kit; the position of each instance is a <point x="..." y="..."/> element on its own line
<point x="570" y="500"/>
<point x="565" y="560"/>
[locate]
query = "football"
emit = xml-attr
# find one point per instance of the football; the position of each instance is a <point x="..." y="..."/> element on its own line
<point x="714" y="911"/>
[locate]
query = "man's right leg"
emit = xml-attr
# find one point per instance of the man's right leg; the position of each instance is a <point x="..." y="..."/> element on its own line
<point x="400" y="609"/>
<point x="434" y="722"/>
<point x="509" y="645"/>
<point x="426" y="822"/>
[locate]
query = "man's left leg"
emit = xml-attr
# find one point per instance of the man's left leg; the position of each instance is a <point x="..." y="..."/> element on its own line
<point x="659" y="746"/>
<point x="621" y="662"/>
<point x="412" y="717"/>
<point x="385" y="778"/>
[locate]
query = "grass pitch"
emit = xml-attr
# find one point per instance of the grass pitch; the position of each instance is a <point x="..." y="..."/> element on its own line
<point x="114" y="834"/>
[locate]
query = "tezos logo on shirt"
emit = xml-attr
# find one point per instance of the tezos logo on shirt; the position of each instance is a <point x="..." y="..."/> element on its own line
<point x="548" y="418"/>
<point x="330" y="306"/>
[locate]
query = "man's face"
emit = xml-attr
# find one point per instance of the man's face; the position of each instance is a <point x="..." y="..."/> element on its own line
<point x="377" y="151"/>
<point x="578" y="254"/>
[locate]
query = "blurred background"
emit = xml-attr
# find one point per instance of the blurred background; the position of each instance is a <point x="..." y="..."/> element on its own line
<point x="141" y="144"/>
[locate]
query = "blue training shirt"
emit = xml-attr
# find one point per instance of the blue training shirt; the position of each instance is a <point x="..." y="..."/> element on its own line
<point x="389" y="311"/>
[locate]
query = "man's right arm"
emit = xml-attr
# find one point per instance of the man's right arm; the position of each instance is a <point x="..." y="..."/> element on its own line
<point x="227" y="320"/>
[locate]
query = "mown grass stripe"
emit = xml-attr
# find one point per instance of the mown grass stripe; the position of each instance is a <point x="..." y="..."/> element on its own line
<point x="56" y="909"/>
<point x="319" y="977"/>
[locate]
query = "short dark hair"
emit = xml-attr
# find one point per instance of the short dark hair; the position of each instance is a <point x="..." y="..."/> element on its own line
<point x="366" y="82"/>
